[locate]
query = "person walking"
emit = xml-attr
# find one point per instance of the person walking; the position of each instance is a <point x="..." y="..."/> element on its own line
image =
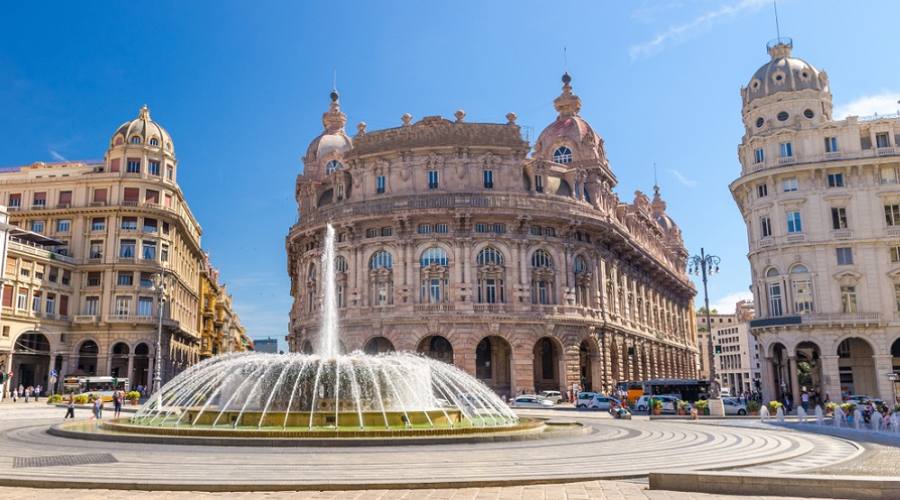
<point x="27" y="393"/>
<point x="804" y="401"/>
<point x="95" y="409"/>
<point x="117" y="403"/>
<point x="70" y="407"/>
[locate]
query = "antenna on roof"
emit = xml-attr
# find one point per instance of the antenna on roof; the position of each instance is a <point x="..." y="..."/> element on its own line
<point x="777" y="26"/>
<point x="565" y="60"/>
<point x="655" y="181"/>
<point x="333" y="79"/>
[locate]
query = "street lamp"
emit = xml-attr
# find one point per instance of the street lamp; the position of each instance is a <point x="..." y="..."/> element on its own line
<point x="705" y="266"/>
<point x="159" y="285"/>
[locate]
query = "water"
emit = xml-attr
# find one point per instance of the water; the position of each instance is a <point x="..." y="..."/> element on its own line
<point x="820" y="415"/>
<point x="779" y="415"/>
<point x="876" y="421"/>
<point x="327" y="389"/>
<point x="801" y="415"/>
<point x="839" y="419"/>
<point x="763" y="413"/>
<point x="857" y="419"/>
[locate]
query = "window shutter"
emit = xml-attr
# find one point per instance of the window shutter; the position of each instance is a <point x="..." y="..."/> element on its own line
<point x="132" y="194"/>
<point x="152" y="197"/>
<point x="7" y="295"/>
<point x="114" y="164"/>
<point x="64" y="305"/>
<point x="65" y="197"/>
<point x="100" y="195"/>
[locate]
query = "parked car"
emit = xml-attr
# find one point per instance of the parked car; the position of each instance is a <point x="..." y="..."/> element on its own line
<point x="734" y="406"/>
<point x="599" y="402"/>
<point x="584" y="398"/>
<point x="643" y="403"/>
<point x="531" y="401"/>
<point x="554" y="396"/>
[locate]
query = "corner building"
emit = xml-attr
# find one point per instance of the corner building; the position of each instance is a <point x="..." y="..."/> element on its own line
<point x="822" y="206"/>
<point x="527" y="272"/>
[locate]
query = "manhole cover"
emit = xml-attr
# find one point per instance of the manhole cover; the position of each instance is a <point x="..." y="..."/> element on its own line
<point x="89" y="459"/>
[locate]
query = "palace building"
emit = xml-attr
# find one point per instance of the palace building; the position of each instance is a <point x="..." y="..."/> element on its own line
<point x="87" y="245"/>
<point x="821" y="201"/>
<point x="516" y="262"/>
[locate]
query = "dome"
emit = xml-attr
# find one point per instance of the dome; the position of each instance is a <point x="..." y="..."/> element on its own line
<point x="784" y="73"/>
<point x="333" y="141"/>
<point x="569" y="129"/>
<point x="659" y="212"/>
<point x="143" y="130"/>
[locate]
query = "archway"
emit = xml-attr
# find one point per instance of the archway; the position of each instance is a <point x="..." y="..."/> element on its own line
<point x="587" y="354"/>
<point x="493" y="362"/>
<point x="809" y="371"/>
<point x="140" y="369"/>
<point x="31" y="360"/>
<point x="87" y="357"/>
<point x="856" y="366"/>
<point x="780" y="371"/>
<point x="546" y="365"/>
<point x="378" y="345"/>
<point x="436" y="347"/>
<point x="118" y="360"/>
<point x="306" y="347"/>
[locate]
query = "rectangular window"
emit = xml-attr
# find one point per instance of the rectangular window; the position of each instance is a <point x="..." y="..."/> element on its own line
<point x="897" y="295"/>
<point x="488" y="177"/>
<point x="786" y="149"/>
<point x="539" y="183"/>
<point x="387" y="231"/>
<point x="126" y="249"/>
<point x="123" y="305"/>
<point x="549" y="231"/>
<point x="63" y="305"/>
<point x="789" y="184"/>
<point x="165" y="228"/>
<point x="534" y="230"/>
<point x="96" y="249"/>
<point x="831" y="145"/>
<point x="759" y="155"/>
<point x="848" y="299"/>
<point x="882" y="140"/>
<point x="129" y="223"/>
<point x="131" y="196"/>
<point x="92" y="306"/>
<point x="36" y="301"/>
<point x="794" y="224"/>
<point x="22" y="299"/>
<point x="379" y="184"/>
<point x="762" y="190"/>
<point x="37" y="226"/>
<point x="151" y="196"/>
<point x="164" y="253"/>
<point x="50" y="304"/>
<point x="775" y="308"/>
<point x="441" y="228"/>
<point x="62" y="225"/>
<point x="114" y="164"/>
<point x="150" y="225"/>
<point x="65" y="199"/>
<point x="895" y="254"/>
<point x="39" y="200"/>
<point x="148" y="250"/>
<point x="892" y="215"/>
<point x="7" y="296"/>
<point x="371" y="232"/>
<point x="98" y="224"/>
<point x="133" y="166"/>
<point x="153" y="168"/>
<point x="835" y="180"/>
<point x="15" y="200"/>
<point x="765" y="227"/>
<point x="499" y="228"/>
<point x="844" y="256"/>
<point x="432" y="179"/>
<point x="170" y="172"/>
<point x="146" y="280"/>
<point x="125" y="278"/>
<point x="66" y="277"/>
<point x="889" y="175"/>
<point x="94" y="278"/>
<point x="145" y="306"/>
<point x="99" y="197"/>
<point x="424" y="229"/>
<point x="481" y="228"/>
<point x="838" y="218"/>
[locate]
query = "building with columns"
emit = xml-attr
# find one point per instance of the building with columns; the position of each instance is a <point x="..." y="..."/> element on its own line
<point x="717" y="320"/>
<point x="517" y="262"/>
<point x="737" y="355"/>
<point x="90" y="237"/>
<point x="821" y="201"/>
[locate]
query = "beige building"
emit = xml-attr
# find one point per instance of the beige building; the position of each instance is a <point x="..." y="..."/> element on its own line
<point x="525" y="270"/>
<point x="821" y="201"/>
<point x="737" y="355"/>
<point x="717" y="320"/>
<point x="219" y="324"/>
<point x="82" y="299"/>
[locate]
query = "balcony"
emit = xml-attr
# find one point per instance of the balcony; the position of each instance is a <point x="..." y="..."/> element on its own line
<point x="833" y="155"/>
<point x="785" y="160"/>
<point x="832" y="319"/>
<point x="841" y="234"/>
<point x="86" y="318"/>
<point x="130" y="318"/>
<point x="434" y="308"/>
<point x="491" y="308"/>
<point x="884" y="151"/>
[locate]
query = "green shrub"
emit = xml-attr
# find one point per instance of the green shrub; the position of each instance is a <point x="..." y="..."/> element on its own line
<point x="702" y="407"/>
<point x="848" y="408"/>
<point x="133" y="395"/>
<point x="897" y="408"/>
<point x="655" y="404"/>
<point x="830" y="406"/>
<point x="82" y="399"/>
<point x="753" y="406"/>
<point x="54" y="398"/>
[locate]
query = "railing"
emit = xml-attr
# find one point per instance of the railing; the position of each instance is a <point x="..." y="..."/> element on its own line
<point x="434" y="308"/>
<point x="491" y="308"/>
<point x="819" y="158"/>
<point x="85" y="318"/>
<point x="37" y="250"/>
<point x="784" y="160"/>
<point x="833" y="155"/>
<point x="841" y="234"/>
<point x="817" y="319"/>
<point x="130" y="318"/>
<point x="884" y="151"/>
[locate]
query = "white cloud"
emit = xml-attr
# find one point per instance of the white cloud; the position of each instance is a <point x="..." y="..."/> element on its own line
<point x="56" y="156"/>
<point x="725" y="305"/>
<point x="682" y="179"/>
<point x="884" y="103"/>
<point x="679" y="32"/>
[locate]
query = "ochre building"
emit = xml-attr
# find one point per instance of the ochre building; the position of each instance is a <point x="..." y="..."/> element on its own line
<point x="516" y="262"/>
<point x="220" y="326"/>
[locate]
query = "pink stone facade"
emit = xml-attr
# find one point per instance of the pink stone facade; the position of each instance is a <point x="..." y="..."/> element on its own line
<point x="516" y="262"/>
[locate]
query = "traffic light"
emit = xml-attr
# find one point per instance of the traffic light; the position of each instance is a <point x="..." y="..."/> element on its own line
<point x="718" y="349"/>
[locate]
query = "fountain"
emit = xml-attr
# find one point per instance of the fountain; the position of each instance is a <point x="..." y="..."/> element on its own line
<point x="801" y="415"/>
<point x="323" y="395"/>
<point x="895" y="422"/>
<point x="838" y="419"/>
<point x="763" y="413"/>
<point x="877" y="420"/>
<point x="779" y="414"/>
<point x="857" y="419"/>
<point x="820" y="415"/>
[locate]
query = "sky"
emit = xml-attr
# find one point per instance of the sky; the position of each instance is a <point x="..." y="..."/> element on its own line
<point x="241" y="87"/>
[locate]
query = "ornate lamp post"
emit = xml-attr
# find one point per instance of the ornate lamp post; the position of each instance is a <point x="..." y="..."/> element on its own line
<point x="705" y="266"/>
<point x="159" y="285"/>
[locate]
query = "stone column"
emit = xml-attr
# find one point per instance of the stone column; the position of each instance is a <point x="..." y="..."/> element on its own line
<point x="130" y="368"/>
<point x="571" y="364"/>
<point x="606" y="349"/>
<point x="831" y="377"/>
<point x="884" y="366"/>
<point x="767" y="379"/>
<point x="792" y="374"/>
<point x="523" y="371"/>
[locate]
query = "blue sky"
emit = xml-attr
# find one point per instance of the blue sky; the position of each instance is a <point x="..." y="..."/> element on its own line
<point x="242" y="90"/>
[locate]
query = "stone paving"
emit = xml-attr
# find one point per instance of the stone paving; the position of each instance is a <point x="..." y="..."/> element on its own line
<point x="590" y="490"/>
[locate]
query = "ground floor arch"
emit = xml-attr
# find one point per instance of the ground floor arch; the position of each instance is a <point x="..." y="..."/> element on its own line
<point x="588" y="365"/>
<point x="140" y="370"/>
<point x="856" y="367"/>
<point x="436" y="347"/>
<point x="31" y="360"/>
<point x="493" y="364"/>
<point x="88" y="353"/>
<point x="809" y="372"/>
<point x="378" y="345"/>
<point x="547" y="372"/>
<point x="118" y="360"/>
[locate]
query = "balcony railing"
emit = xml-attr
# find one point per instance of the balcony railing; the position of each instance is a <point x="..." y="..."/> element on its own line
<point x="856" y="318"/>
<point x="130" y="318"/>
<point x="823" y="157"/>
<point x="85" y="318"/>
<point x="434" y="308"/>
<point x="885" y="151"/>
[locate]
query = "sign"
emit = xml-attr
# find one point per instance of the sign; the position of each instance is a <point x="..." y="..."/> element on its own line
<point x="53" y="374"/>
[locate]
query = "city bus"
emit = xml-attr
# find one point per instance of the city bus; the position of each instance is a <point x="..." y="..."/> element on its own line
<point x="687" y="389"/>
<point x="101" y="386"/>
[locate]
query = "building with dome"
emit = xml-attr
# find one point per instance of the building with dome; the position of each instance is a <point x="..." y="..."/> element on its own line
<point x="821" y="201"/>
<point x="516" y="262"/>
<point x="87" y="242"/>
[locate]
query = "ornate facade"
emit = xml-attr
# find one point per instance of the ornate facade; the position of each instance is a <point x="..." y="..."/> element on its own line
<point x="526" y="271"/>
<point x="220" y="326"/>
<point x="79" y="295"/>
<point x="821" y="202"/>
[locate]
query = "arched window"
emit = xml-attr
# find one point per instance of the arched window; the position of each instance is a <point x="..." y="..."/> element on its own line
<point x="340" y="264"/>
<point x="775" y="293"/>
<point x="562" y="155"/>
<point x="542" y="278"/>
<point x="580" y="265"/>
<point x="333" y="166"/>
<point x="434" y="276"/>
<point x="381" y="279"/>
<point x="801" y="289"/>
<point x="135" y="139"/>
<point x="491" y="276"/>
<point x="154" y="142"/>
<point x="582" y="281"/>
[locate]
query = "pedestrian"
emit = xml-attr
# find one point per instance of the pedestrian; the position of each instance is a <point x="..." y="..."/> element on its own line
<point x="100" y="407"/>
<point x="21" y="390"/>
<point x="117" y="403"/>
<point x="804" y="400"/>
<point x="95" y="409"/>
<point x="27" y="393"/>
<point x="37" y="392"/>
<point x="70" y="407"/>
<point x="15" y="394"/>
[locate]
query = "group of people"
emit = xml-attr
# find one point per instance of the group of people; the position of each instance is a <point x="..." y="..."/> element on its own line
<point x="27" y="393"/>
<point x="97" y="404"/>
<point x="808" y="400"/>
